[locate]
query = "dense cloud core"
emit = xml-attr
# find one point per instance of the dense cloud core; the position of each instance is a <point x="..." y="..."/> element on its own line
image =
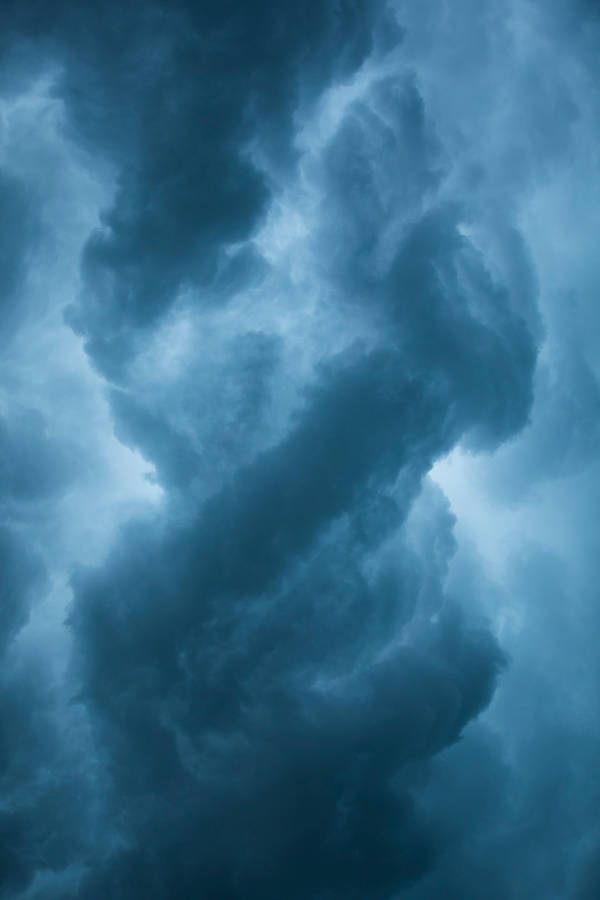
<point x="299" y="432"/>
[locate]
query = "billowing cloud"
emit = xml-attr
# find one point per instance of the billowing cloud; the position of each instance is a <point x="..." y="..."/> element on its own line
<point x="291" y="416"/>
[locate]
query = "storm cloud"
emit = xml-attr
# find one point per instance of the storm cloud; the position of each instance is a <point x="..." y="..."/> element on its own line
<point x="298" y="451"/>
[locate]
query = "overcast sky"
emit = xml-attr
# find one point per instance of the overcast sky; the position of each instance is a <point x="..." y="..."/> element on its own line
<point x="300" y="450"/>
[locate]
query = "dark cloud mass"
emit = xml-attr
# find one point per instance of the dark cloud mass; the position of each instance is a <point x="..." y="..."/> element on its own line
<point x="268" y="273"/>
<point x="180" y="99"/>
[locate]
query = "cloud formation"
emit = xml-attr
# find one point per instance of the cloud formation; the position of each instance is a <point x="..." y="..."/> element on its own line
<point x="284" y="613"/>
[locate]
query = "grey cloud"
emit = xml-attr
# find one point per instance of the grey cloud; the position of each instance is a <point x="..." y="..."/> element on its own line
<point x="39" y="778"/>
<point x="213" y="420"/>
<point x="33" y="465"/>
<point x="208" y="640"/>
<point x="275" y="679"/>
<point x="46" y="802"/>
<point x="22" y="576"/>
<point x="176" y="629"/>
<point x="19" y="228"/>
<point x="517" y="798"/>
<point x="279" y="785"/>
<point x="176" y="104"/>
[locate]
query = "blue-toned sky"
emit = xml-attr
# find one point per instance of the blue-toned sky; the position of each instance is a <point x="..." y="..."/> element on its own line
<point x="300" y="450"/>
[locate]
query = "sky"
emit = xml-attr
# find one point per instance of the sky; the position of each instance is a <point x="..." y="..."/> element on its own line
<point x="299" y="450"/>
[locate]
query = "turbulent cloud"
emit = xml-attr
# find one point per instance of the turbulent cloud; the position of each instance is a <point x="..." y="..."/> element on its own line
<point x="275" y="282"/>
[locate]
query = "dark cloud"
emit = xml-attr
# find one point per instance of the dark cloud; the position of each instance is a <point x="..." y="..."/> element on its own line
<point x="40" y="780"/>
<point x="278" y="740"/>
<point x="457" y="326"/>
<point x="46" y="801"/>
<point x="251" y="648"/>
<point x="208" y="642"/>
<point x="274" y="684"/>
<point x="180" y="99"/>
<point x="457" y="329"/>
<point x="589" y="878"/>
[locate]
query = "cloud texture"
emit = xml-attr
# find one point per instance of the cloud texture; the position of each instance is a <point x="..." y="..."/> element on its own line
<point x="298" y="451"/>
